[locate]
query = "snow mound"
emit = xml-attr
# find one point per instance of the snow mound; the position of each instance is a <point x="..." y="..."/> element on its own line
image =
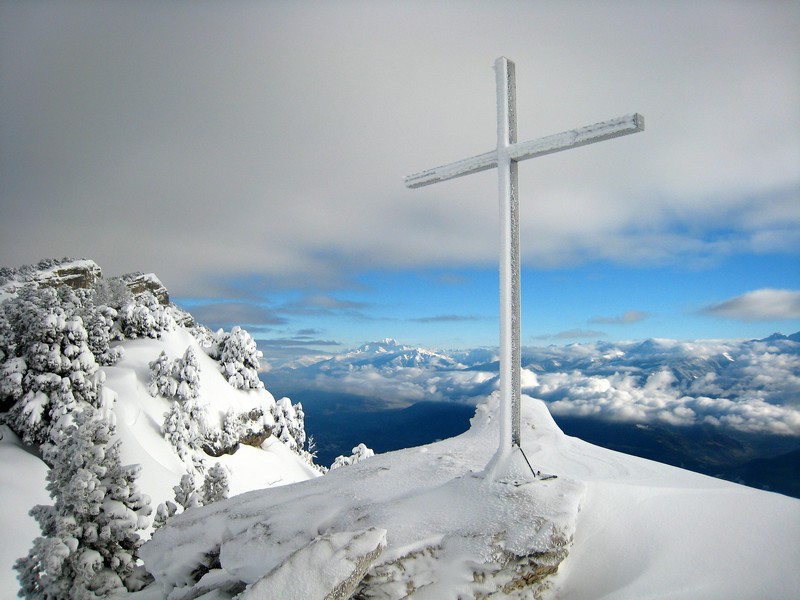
<point x="450" y="532"/>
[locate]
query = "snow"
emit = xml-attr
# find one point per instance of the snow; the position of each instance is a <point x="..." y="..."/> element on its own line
<point x="338" y="560"/>
<point x="641" y="529"/>
<point x="22" y="485"/>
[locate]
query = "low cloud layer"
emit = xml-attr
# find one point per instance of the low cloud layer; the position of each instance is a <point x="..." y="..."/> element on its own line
<point x="751" y="386"/>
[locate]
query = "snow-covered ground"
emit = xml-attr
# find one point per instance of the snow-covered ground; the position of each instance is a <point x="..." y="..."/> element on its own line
<point x="640" y="529"/>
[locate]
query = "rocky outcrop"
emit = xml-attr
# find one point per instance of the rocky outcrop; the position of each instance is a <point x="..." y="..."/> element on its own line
<point x="139" y="283"/>
<point x="77" y="273"/>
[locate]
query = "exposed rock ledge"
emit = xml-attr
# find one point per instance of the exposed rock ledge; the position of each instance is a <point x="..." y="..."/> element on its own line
<point x="449" y="532"/>
<point x="77" y="273"/>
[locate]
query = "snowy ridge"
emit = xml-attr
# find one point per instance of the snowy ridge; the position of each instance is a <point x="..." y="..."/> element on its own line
<point x="449" y="533"/>
<point x="634" y="528"/>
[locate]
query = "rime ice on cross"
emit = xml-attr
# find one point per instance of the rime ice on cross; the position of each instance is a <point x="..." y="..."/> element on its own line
<point x="505" y="158"/>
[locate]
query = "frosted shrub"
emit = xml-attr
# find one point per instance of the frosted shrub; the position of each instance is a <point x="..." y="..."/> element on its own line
<point x="187" y="372"/>
<point x="186" y="493"/>
<point x="161" y="380"/>
<point x="175" y="379"/>
<point x="185" y="423"/>
<point x="289" y="423"/>
<point x="239" y="359"/>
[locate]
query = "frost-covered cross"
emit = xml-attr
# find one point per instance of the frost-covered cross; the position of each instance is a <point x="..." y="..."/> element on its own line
<point x="505" y="158"/>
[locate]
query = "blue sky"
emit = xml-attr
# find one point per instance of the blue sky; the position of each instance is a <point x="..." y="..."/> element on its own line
<point x="252" y="155"/>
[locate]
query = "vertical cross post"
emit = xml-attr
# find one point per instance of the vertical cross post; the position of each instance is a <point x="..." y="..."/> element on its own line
<point x="505" y="158"/>
<point x="510" y="362"/>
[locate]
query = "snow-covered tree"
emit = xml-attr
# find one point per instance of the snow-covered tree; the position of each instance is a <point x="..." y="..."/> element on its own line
<point x="112" y="292"/>
<point x="100" y="332"/>
<point x="58" y="369"/>
<point x="360" y="452"/>
<point x="161" y="380"/>
<point x="187" y="373"/>
<point x="144" y="317"/>
<point x="186" y="492"/>
<point x="185" y="423"/>
<point x="239" y="359"/>
<point x="289" y="423"/>
<point x="215" y="485"/>
<point x="164" y="512"/>
<point x="90" y="535"/>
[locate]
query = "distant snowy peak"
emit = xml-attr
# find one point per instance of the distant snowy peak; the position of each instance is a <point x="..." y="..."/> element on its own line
<point x="388" y="354"/>
<point x="775" y="337"/>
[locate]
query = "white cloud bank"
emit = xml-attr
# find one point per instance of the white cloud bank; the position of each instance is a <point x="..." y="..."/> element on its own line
<point x="748" y="386"/>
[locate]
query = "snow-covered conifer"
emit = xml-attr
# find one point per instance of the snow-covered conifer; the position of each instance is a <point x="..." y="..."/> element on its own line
<point x="90" y="541"/>
<point x="164" y="512"/>
<point x="215" y="485"/>
<point x="59" y="370"/>
<point x="186" y="492"/>
<point x="112" y="292"/>
<point x="291" y="419"/>
<point x="145" y="317"/>
<point x="187" y="371"/>
<point x="161" y="380"/>
<point x="239" y="359"/>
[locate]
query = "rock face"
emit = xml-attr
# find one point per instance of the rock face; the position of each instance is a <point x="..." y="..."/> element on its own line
<point x="139" y="283"/>
<point x="77" y="273"/>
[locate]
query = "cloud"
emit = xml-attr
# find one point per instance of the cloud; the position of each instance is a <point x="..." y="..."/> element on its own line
<point x="626" y="318"/>
<point x="273" y="139"/>
<point x="572" y="334"/>
<point x="759" y="305"/>
<point x="291" y="342"/>
<point x="447" y="318"/>
<point x="225" y="315"/>
<point x="751" y="386"/>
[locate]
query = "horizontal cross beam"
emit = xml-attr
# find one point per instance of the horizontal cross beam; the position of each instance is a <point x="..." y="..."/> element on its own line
<point x="565" y="140"/>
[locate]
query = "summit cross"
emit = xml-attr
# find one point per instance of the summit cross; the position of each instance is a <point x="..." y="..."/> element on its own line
<point x="505" y="158"/>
